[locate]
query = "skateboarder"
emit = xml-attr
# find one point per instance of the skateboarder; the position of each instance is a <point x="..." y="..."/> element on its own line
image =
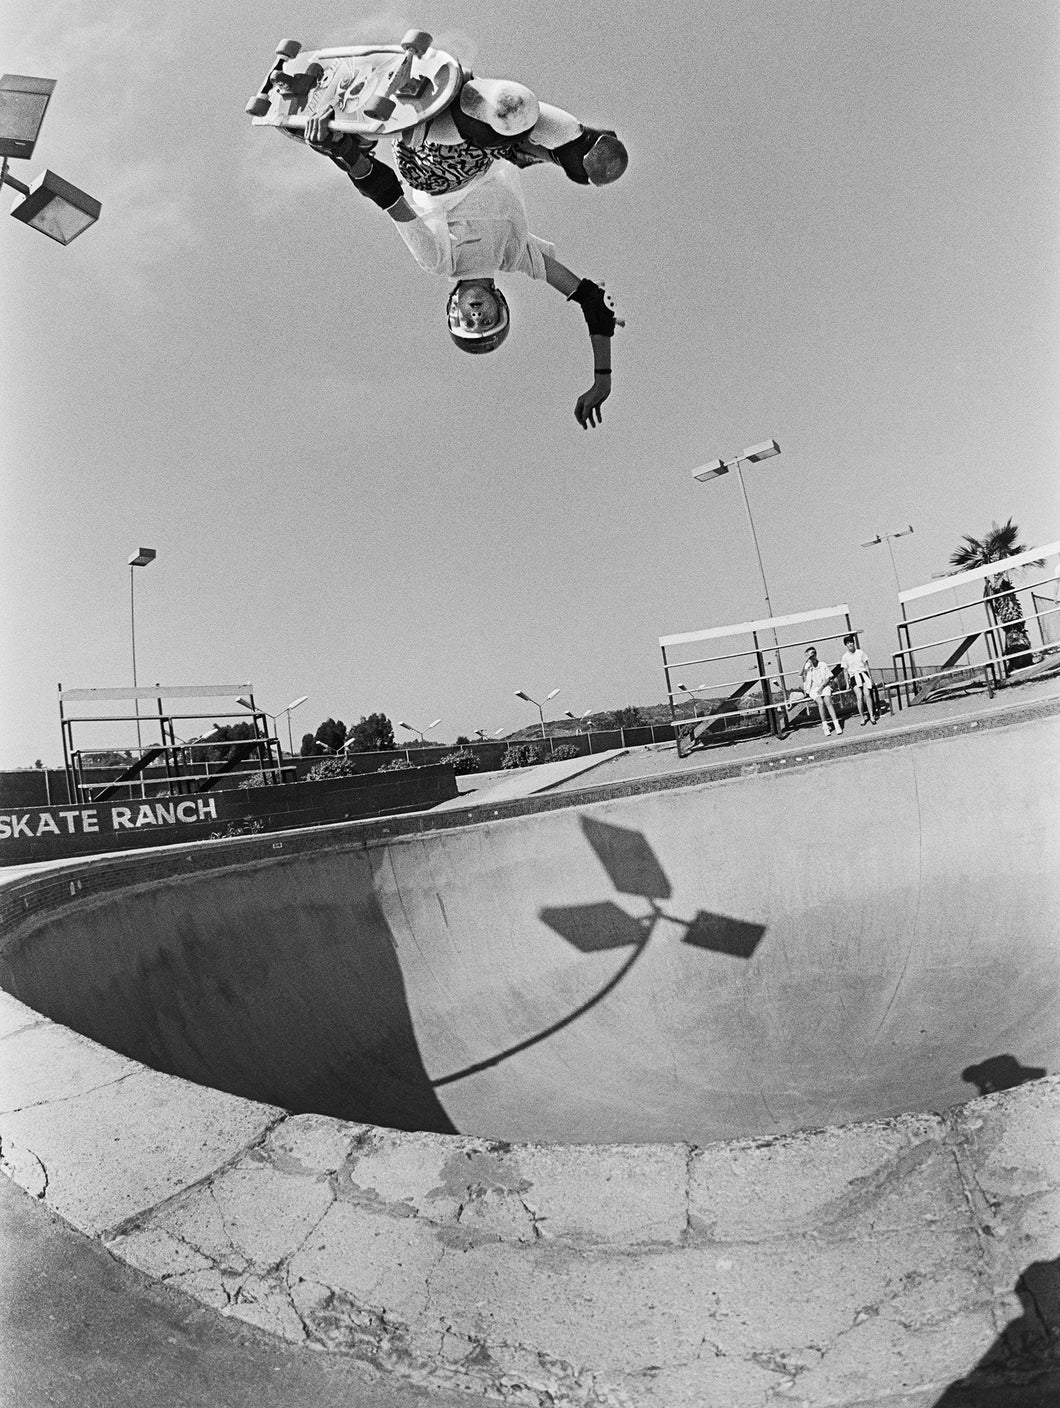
<point x="461" y="212"/>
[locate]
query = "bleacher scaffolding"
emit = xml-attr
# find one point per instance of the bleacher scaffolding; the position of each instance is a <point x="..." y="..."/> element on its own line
<point x="983" y="641"/>
<point x="759" y="698"/>
<point x="173" y="766"/>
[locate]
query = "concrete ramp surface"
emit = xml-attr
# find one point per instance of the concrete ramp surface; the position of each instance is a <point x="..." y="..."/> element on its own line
<point x="850" y="939"/>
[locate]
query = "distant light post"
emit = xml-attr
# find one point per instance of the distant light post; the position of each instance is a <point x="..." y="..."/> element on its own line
<point x="522" y="694"/>
<point x="578" y="718"/>
<point x="754" y="455"/>
<point x="140" y="558"/>
<point x="51" y="205"/>
<point x="421" y="732"/>
<point x="886" y="538"/>
<point x="294" y="704"/>
<point x="691" y="692"/>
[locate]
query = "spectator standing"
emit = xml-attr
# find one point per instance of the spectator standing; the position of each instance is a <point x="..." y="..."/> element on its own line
<point x="855" y="665"/>
<point x="817" y="681"/>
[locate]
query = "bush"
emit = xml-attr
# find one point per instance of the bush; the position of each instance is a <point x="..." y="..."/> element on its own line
<point x="462" y="760"/>
<point x="397" y="765"/>
<point x="250" y="827"/>
<point x="331" y="767"/>
<point x="522" y="755"/>
<point x="253" y="779"/>
<point x="566" y="751"/>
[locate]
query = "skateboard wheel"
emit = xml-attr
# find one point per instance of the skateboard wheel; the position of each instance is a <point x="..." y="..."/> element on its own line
<point x="258" y="105"/>
<point x="418" y="40"/>
<point x="379" y="108"/>
<point x="289" y="48"/>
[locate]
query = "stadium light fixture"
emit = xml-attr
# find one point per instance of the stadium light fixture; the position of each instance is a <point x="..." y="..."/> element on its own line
<point x="886" y="538"/>
<point x="52" y="205"/>
<point x="522" y="694"/>
<point x="753" y="455"/>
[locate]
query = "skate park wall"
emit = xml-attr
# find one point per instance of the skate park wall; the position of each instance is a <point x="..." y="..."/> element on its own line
<point x="614" y="1028"/>
<point x="741" y="957"/>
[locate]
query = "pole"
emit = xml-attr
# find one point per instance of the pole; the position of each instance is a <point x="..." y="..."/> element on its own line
<point x="894" y="565"/>
<point x="541" y="711"/>
<point x="290" y="736"/>
<point x="6" y="179"/>
<point x="132" y="623"/>
<point x="765" y="584"/>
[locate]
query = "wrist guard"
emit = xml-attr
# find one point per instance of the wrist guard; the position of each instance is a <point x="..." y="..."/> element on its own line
<point x="379" y="184"/>
<point x="599" y="318"/>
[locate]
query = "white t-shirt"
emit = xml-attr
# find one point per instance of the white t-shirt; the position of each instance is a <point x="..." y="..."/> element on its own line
<point x="475" y="232"/>
<point x="817" y="679"/>
<point x="856" y="664"/>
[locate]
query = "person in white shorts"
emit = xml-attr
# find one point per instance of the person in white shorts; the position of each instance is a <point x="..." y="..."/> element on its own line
<point x="817" y="682"/>
<point x="855" y="665"/>
<point x="459" y="208"/>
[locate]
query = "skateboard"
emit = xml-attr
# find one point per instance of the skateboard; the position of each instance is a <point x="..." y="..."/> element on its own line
<point x="375" y="90"/>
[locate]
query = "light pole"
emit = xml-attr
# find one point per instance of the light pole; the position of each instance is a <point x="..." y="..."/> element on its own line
<point x="756" y="453"/>
<point x="294" y="704"/>
<point x="421" y="732"/>
<point x="886" y="538"/>
<point x="140" y="558"/>
<point x="51" y="205"/>
<point x="691" y="693"/>
<point x="522" y="694"/>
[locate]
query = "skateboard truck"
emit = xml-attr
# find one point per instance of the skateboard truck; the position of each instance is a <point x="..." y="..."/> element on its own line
<point x="290" y="85"/>
<point x="399" y="82"/>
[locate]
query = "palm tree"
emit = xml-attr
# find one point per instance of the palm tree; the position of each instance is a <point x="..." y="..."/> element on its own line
<point x="999" y="545"/>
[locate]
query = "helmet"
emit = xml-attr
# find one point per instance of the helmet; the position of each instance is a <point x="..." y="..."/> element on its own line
<point x="489" y="339"/>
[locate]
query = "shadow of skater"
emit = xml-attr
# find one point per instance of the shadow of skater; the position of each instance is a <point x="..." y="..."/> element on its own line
<point x="1022" y="1368"/>
<point x="633" y="869"/>
<point x="1000" y="1073"/>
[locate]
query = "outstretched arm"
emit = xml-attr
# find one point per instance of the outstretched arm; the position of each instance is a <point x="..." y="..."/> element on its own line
<point x="601" y="323"/>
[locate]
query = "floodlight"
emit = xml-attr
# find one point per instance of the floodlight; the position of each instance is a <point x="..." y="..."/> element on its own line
<point x="142" y="556"/>
<point x="23" y="102"/>
<point x="55" y="207"/>
<point x="761" y="452"/>
<point x="711" y="471"/>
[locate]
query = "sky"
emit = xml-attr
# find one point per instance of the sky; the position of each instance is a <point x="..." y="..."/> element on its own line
<point x="838" y="229"/>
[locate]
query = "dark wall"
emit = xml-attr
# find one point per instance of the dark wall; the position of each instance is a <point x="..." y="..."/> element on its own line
<point x="52" y="833"/>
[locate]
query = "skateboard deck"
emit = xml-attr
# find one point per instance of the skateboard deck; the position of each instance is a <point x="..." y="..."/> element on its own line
<point x="374" y="89"/>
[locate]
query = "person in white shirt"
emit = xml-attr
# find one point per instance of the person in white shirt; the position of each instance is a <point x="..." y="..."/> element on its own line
<point x="461" y="213"/>
<point x="817" y="682"/>
<point x="855" y="665"/>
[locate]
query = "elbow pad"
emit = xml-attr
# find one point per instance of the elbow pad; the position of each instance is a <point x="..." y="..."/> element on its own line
<point x="379" y="185"/>
<point x="599" y="318"/>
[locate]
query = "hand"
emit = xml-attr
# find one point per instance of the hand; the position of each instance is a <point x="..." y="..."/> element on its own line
<point x="318" y="133"/>
<point x="587" y="412"/>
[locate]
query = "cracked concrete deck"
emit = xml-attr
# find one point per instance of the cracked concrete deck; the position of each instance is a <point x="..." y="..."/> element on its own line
<point x="873" y="1263"/>
<point x="907" y="1261"/>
